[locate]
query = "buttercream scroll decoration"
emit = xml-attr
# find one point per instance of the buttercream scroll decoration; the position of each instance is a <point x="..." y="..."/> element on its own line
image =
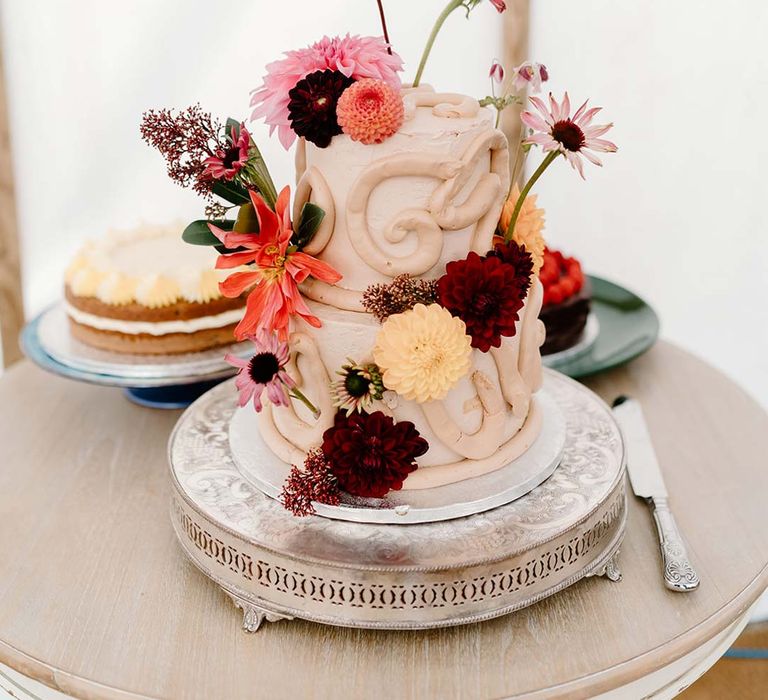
<point x="488" y="437"/>
<point x="482" y="206"/>
<point x="313" y="185"/>
<point x="296" y="436"/>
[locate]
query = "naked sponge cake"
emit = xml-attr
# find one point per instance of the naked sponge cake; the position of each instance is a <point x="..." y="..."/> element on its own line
<point x="145" y="291"/>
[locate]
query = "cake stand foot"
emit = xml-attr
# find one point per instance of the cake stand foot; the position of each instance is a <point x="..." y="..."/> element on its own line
<point x="610" y="569"/>
<point x="253" y="615"/>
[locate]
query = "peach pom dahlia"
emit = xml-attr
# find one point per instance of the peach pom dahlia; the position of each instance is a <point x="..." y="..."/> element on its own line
<point x="370" y="111"/>
<point x="528" y="227"/>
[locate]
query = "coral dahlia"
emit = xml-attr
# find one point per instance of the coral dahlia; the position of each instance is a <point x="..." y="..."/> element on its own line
<point x="370" y="454"/>
<point x="370" y="111"/>
<point x="485" y="293"/>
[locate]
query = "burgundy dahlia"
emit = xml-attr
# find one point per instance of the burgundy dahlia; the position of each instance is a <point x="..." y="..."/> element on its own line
<point x="370" y="454"/>
<point x="516" y="255"/>
<point x="485" y="293"/>
<point x="312" y="107"/>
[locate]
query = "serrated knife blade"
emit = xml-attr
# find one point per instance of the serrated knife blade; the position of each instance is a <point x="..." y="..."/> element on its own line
<point x="648" y="482"/>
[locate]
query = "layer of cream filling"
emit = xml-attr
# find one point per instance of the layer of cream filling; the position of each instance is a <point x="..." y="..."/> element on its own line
<point x="157" y="328"/>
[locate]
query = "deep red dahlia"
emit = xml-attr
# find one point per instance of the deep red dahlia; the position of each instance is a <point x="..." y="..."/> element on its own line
<point x="485" y="293"/>
<point x="312" y="108"/>
<point x="370" y="454"/>
<point x="516" y="255"/>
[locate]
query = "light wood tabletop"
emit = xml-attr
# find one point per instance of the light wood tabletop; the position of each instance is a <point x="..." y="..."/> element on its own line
<point x="97" y="600"/>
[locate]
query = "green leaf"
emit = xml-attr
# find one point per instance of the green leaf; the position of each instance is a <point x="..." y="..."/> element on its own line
<point x="233" y="124"/>
<point x="259" y="172"/>
<point x="198" y="233"/>
<point x="309" y="222"/>
<point x="231" y="191"/>
<point x="247" y="221"/>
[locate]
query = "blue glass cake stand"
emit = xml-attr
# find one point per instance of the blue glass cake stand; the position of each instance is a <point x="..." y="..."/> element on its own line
<point x="170" y="381"/>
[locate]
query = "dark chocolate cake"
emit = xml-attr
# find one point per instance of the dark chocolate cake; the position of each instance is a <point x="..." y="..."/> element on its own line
<point x="567" y="298"/>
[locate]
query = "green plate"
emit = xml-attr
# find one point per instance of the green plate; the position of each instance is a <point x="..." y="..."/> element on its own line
<point x="627" y="328"/>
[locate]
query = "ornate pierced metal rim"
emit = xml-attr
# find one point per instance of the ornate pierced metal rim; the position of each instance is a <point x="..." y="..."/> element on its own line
<point x="595" y="567"/>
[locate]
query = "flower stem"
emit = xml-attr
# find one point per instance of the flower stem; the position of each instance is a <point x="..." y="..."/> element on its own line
<point x="524" y="192"/>
<point x="450" y="7"/>
<point x="296" y="393"/>
<point x="384" y="26"/>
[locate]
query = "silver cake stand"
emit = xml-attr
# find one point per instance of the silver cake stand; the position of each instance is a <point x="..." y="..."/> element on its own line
<point x="157" y="381"/>
<point x="383" y="576"/>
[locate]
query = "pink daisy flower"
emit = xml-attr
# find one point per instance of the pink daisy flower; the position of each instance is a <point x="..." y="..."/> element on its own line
<point x="574" y="136"/>
<point x="264" y="371"/>
<point x="355" y="56"/>
<point x="226" y="163"/>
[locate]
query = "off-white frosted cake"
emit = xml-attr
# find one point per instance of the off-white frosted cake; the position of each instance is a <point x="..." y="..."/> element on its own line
<point x="426" y="196"/>
<point x="144" y="291"/>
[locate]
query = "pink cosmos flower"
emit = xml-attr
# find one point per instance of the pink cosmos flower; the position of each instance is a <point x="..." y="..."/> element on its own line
<point x="556" y="130"/>
<point x="225" y="164"/>
<point x="279" y="269"/>
<point x="355" y="56"/>
<point x="265" y="370"/>
<point x="530" y="74"/>
<point x="500" y="5"/>
<point x="497" y="72"/>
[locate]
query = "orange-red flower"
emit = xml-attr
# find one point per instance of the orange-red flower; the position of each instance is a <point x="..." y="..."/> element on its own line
<point x="279" y="269"/>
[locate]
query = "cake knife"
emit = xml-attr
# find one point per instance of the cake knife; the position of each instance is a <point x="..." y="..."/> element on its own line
<point x="648" y="484"/>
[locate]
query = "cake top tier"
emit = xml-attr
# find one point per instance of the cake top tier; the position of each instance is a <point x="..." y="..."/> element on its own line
<point x="150" y="265"/>
<point x="425" y="196"/>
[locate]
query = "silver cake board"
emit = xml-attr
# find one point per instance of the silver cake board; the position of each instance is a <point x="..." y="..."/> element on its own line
<point x="383" y="576"/>
<point x="260" y="466"/>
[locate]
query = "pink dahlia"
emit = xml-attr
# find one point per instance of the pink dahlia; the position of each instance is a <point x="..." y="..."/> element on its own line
<point x="225" y="163"/>
<point x="355" y="56"/>
<point x="574" y="136"/>
<point x="500" y="5"/>
<point x="370" y="111"/>
<point x="264" y="371"/>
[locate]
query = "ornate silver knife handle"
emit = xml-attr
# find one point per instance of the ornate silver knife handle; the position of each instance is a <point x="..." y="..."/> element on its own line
<point x="679" y="574"/>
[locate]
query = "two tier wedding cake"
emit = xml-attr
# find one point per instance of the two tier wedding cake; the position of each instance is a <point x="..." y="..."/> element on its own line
<point x="394" y="304"/>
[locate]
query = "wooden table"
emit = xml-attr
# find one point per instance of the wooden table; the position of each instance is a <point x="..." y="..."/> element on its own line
<point x="97" y="600"/>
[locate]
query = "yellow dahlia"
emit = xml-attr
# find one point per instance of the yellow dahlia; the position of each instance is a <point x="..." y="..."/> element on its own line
<point x="528" y="228"/>
<point x="423" y="352"/>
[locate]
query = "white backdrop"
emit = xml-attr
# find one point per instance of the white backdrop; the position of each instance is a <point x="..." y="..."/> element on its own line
<point x="676" y="215"/>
